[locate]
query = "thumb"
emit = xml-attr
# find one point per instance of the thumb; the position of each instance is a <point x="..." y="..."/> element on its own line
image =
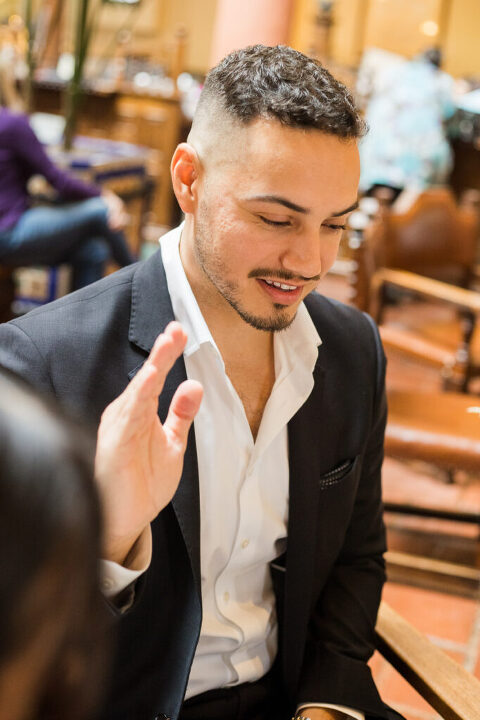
<point x="183" y="408"/>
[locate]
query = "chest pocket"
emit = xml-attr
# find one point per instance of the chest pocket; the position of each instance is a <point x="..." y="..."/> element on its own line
<point x="337" y="474"/>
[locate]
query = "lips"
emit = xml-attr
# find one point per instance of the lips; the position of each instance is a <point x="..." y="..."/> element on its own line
<point x="280" y="292"/>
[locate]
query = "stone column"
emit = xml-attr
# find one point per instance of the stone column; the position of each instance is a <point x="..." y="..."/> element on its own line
<point x="248" y="22"/>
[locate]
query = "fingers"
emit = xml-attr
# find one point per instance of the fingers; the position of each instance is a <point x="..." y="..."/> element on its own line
<point x="138" y="402"/>
<point x="167" y="348"/>
<point x="183" y="408"/>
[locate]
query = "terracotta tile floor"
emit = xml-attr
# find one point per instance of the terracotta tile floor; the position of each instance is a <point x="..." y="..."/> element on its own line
<point x="450" y="621"/>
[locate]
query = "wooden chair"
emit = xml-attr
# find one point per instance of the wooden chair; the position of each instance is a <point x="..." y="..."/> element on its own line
<point x="438" y="239"/>
<point x="450" y="342"/>
<point x="436" y="426"/>
<point x="435" y="236"/>
<point x="440" y="428"/>
<point x="443" y="683"/>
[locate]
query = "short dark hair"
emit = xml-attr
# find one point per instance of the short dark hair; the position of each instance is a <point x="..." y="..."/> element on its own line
<point x="283" y="84"/>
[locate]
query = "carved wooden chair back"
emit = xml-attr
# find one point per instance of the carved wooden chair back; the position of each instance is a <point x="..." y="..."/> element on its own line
<point x="435" y="237"/>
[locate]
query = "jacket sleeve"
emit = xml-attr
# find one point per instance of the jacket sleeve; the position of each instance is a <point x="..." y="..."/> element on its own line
<point x="20" y="355"/>
<point x="340" y="637"/>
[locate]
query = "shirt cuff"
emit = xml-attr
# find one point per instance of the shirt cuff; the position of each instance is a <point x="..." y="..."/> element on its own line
<point x="115" y="577"/>
<point x="357" y="714"/>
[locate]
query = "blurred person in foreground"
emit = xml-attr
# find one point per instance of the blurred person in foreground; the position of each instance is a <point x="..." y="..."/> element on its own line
<point x="51" y="619"/>
<point x="53" y="622"/>
<point x="85" y="229"/>
<point x="253" y="594"/>
<point x="406" y="147"/>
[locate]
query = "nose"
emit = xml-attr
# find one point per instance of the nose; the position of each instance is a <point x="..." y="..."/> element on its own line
<point x="303" y="254"/>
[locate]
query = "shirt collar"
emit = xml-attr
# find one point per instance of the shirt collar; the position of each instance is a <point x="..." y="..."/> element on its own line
<point x="298" y="344"/>
<point x="185" y="306"/>
<point x="295" y="347"/>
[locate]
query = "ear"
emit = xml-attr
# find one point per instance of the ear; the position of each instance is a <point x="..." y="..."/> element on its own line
<point x="184" y="170"/>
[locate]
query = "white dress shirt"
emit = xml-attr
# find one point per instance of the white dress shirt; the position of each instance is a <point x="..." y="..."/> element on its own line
<point x="243" y="492"/>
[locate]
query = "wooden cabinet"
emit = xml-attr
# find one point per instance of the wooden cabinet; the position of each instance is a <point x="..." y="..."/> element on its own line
<point x="152" y="121"/>
<point x="157" y="124"/>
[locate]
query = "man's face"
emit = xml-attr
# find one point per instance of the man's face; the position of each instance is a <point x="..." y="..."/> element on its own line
<point x="272" y="203"/>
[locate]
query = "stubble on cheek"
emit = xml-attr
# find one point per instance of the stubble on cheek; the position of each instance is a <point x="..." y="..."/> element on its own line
<point x="219" y="274"/>
<point x="209" y="259"/>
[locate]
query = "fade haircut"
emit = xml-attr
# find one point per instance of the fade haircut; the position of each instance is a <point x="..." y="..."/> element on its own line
<point x="282" y="84"/>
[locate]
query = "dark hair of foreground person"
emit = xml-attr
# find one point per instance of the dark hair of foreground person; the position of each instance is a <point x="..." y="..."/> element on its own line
<point x="51" y="628"/>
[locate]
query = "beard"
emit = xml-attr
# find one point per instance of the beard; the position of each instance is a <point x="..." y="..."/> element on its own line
<point x="215" y="269"/>
<point x="274" y="323"/>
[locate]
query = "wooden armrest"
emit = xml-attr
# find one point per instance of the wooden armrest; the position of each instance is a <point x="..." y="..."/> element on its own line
<point x="426" y="287"/>
<point x="413" y="345"/>
<point x="444" y="684"/>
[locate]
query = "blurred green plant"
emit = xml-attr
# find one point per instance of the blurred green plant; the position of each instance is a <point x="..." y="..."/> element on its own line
<point x="30" y="59"/>
<point x="84" y="24"/>
<point x="85" y="14"/>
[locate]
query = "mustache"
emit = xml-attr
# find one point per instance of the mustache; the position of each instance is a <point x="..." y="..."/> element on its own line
<point x="281" y="275"/>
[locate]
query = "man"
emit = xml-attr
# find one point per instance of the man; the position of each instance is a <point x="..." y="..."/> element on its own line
<point x="259" y="597"/>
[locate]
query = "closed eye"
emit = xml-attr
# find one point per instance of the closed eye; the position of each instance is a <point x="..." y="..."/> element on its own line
<point x="334" y="226"/>
<point x="276" y="223"/>
<point x="285" y="223"/>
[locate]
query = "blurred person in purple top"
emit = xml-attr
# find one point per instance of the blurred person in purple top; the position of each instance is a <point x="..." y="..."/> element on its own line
<point x="85" y="230"/>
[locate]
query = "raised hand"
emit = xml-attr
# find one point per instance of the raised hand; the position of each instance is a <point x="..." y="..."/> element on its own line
<point x="139" y="461"/>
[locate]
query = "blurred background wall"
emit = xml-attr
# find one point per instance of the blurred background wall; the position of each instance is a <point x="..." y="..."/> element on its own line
<point x="400" y="26"/>
<point x="146" y="59"/>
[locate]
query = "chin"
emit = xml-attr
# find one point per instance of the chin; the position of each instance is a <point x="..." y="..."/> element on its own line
<point x="272" y="323"/>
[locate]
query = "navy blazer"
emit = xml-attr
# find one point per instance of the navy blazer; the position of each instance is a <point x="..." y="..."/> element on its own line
<point x="85" y="348"/>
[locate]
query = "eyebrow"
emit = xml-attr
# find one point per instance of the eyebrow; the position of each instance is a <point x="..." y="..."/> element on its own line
<point x="347" y="210"/>
<point x="298" y="208"/>
<point x="281" y="201"/>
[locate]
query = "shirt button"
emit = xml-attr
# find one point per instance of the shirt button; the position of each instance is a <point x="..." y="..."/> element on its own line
<point x="245" y="543"/>
<point x="107" y="584"/>
<point x="226" y="596"/>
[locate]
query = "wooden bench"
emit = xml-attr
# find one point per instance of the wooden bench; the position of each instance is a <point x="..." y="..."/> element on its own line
<point x="444" y="684"/>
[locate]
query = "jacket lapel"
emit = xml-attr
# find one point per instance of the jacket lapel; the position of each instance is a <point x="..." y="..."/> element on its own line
<point x="151" y="311"/>
<point x="306" y="443"/>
